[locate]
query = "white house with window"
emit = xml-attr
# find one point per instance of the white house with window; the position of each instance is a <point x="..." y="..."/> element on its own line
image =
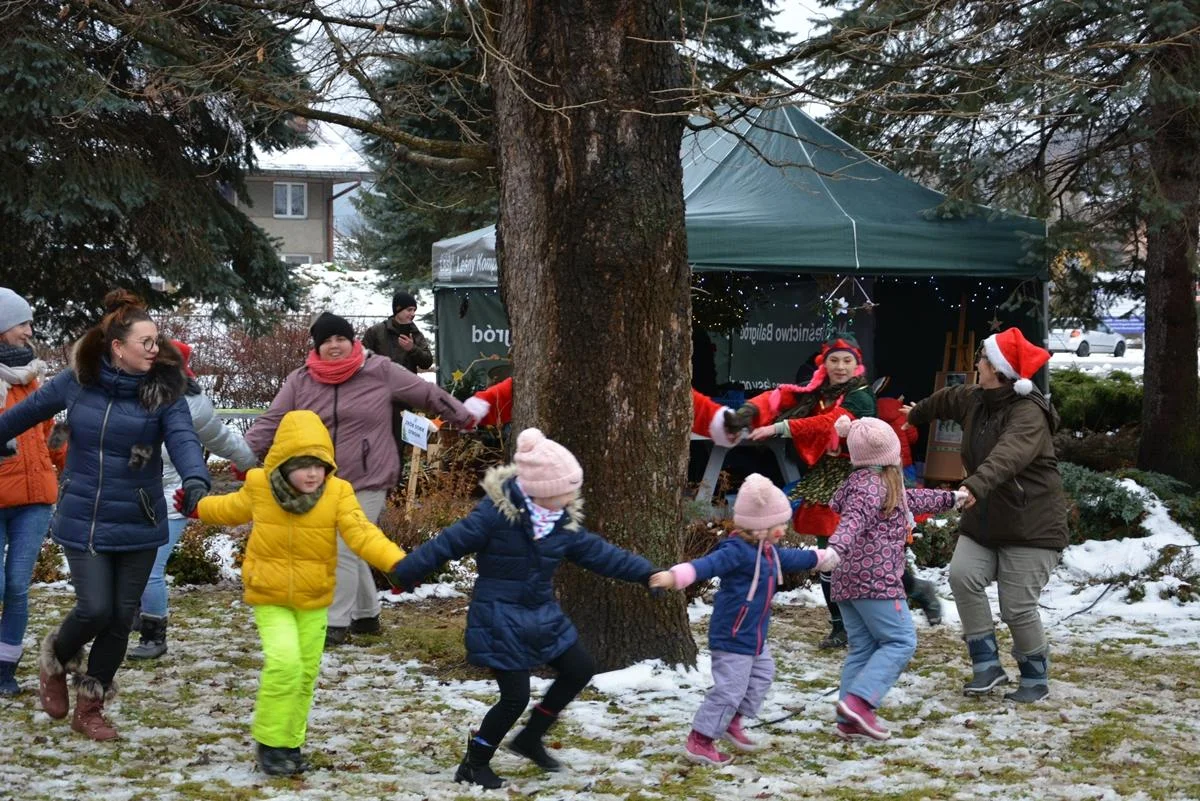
<point x="292" y="193"/>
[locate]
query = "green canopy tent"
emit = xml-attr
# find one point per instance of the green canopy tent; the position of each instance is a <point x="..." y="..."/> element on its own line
<point x="778" y="195"/>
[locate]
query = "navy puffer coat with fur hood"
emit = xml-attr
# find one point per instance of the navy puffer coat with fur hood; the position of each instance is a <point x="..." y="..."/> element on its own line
<point x="514" y="621"/>
<point x="110" y="494"/>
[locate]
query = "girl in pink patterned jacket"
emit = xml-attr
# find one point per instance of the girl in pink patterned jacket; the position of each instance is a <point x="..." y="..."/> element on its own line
<point x="876" y="518"/>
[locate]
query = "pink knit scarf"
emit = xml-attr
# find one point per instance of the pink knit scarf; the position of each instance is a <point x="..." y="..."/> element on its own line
<point x="336" y="372"/>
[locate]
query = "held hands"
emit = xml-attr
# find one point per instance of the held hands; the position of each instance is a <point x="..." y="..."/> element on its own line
<point x="239" y="474"/>
<point x="189" y="495"/>
<point x="827" y="560"/>
<point x="662" y="580"/>
<point x="180" y="502"/>
<point x="904" y="410"/>
<point x="762" y="432"/>
<point x="963" y="499"/>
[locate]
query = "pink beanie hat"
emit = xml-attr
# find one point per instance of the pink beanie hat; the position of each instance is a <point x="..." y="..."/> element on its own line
<point x="545" y="468"/>
<point x="871" y="441"/>
<point x="760" y="505"/>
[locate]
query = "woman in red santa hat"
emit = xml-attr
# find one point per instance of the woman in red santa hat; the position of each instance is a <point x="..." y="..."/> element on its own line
<point x="1014" y="524"/>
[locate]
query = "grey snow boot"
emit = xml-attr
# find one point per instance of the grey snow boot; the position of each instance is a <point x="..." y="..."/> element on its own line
<point x="985" y="662"/>
<point x="1034" y="682"/>
<point x="154" y="638"/>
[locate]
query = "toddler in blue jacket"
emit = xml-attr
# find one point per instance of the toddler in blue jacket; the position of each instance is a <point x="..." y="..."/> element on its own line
<point x="750" y="565"/>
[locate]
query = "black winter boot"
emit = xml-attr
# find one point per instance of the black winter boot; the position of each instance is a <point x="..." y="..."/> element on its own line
<point x="365" y="625"/>
<point x="154" y="638"/>
<point x="985" y="662"/>
<point x="528" y="742"/>
<point x="336" y="635"/>
<point x="274" y="761"/>
<point x="299" y="762"/>
<point x="924" y="593"/>
<point x="8" y="679"/>
<point x="474" y="769"/>
<point x="1035" y="684"/>
<point x="837" y="633"/>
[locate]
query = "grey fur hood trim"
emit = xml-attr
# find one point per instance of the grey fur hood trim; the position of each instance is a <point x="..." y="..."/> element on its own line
<point x="494" y="484"/>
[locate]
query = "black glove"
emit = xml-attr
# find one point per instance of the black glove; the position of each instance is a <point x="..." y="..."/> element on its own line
<point x="8" y="449"/>
<point x="398" y="584"/>
<point x="741" y="420"/>
<point x="193" y="490"/>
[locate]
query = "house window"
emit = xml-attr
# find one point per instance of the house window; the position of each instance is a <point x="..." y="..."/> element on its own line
<point x="296" y="258"/>
<point x="291" y="201"/>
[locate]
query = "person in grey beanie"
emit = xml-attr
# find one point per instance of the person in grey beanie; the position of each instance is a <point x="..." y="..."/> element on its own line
<point x="28" y="484"/>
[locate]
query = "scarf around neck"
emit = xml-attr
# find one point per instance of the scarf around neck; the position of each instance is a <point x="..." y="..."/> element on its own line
<point x="15" y="355"/>
<point x="291" y="499"/>
<point x="17" y="370"/>
<point x="328" y="372"/>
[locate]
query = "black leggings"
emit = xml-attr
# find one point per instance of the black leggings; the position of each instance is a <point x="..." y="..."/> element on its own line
<point x="575" y="669"/>
<point x="108" y="587"/>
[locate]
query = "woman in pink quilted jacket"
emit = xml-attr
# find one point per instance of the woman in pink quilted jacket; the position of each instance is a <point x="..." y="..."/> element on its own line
<point x="876" y="517"/>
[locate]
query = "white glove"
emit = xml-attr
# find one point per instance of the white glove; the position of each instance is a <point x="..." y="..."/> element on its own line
<point x="827" y="560"/>
<point x="477" y="408"/>
<point x="960" y="497"/>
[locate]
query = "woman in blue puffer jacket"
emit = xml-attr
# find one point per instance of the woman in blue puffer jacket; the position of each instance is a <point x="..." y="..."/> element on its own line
<point x="123" y="398"/>
<point x="528" y="523"/>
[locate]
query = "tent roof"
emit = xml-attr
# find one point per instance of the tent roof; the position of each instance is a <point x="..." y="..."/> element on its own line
<point x="775" y="191"/>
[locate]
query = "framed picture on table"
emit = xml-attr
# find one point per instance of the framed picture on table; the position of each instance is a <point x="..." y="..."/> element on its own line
<point x="943" y="456"/>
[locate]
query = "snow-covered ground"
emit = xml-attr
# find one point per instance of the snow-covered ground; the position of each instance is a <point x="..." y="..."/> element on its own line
<point x="1122" y="721"/>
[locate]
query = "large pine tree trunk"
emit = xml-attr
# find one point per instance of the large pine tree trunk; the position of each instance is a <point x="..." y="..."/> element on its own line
<point x="594" y="275"/>
<point x="1170" y="439"/>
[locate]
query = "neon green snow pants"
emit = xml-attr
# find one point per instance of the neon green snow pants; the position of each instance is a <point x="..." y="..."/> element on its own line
<point x="292" y="642"/>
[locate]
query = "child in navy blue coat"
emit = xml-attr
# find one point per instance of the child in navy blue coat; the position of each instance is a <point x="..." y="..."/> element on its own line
<point x="750" y="564"/>
<point x="529" y="521"/>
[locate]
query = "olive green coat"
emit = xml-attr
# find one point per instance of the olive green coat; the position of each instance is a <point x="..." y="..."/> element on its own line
<point x="1012" y="471"/>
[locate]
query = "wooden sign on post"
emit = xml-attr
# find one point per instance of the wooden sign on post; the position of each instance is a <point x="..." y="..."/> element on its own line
<point x="415" y="432"/>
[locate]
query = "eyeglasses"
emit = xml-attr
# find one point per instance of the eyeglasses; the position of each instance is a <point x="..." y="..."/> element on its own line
<point x="149" y="344"/>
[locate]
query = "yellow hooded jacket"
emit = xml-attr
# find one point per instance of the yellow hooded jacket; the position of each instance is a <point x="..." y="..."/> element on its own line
<point x="291" y="559"/>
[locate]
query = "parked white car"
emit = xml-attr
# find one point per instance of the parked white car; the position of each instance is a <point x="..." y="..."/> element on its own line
<point x="1071" y="336"/>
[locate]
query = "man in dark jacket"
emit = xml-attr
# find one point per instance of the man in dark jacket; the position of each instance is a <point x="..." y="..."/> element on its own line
<point x="1014" y="523"/>
<point x="398" y="338"/>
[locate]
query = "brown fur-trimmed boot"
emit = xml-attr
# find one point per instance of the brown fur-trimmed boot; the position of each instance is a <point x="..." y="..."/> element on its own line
<point x="89" y="709"/>
<point x="52" y="678"/>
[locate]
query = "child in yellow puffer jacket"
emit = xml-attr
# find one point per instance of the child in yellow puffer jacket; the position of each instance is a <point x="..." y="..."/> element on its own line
<point x="299" y="507"/>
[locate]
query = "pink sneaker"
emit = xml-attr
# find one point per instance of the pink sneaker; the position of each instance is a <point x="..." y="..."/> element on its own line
<point x="703" y="750"/>
<point x="850" y="732"/>
<point x="859" y="712"/>
<point x="737" y="737"/>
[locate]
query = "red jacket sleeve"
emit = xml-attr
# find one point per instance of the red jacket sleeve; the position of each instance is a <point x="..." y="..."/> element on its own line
<point x="708" y="419"/>
<point x="499" y="399"/>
